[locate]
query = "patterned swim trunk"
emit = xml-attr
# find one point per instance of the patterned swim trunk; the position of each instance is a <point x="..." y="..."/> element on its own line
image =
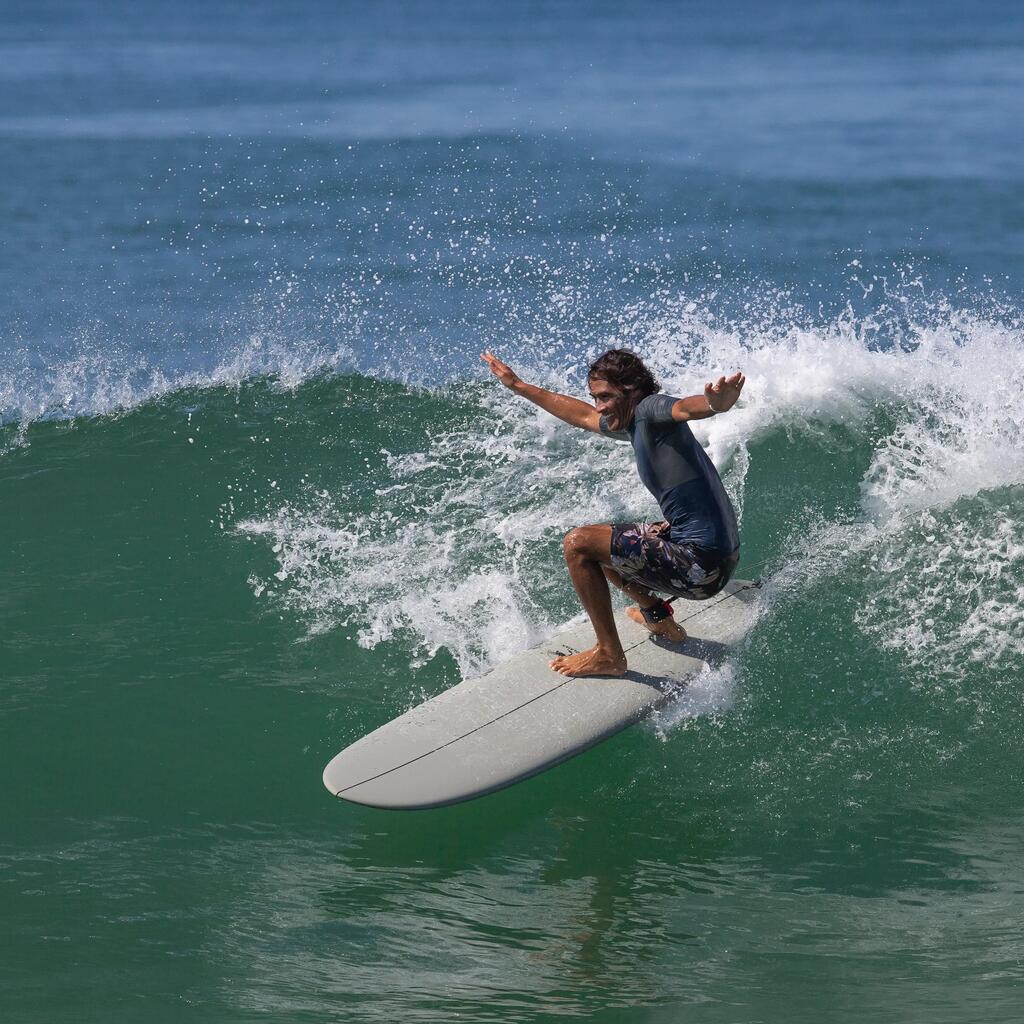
<point x="643" y="553"/>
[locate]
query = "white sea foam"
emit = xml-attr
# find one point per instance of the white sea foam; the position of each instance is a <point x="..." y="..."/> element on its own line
<point x="950" y="594"/>
<point x="935" y="549"/>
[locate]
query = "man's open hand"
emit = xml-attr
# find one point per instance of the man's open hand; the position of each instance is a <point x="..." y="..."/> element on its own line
<point x="504" y="373"/>
<point x="722" y="394"/>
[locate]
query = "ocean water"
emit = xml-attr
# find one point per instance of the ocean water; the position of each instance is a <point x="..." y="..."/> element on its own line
<point x="258" y="496"/>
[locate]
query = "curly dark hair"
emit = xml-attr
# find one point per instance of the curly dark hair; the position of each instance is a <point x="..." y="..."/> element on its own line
<point x="626" y="371"/>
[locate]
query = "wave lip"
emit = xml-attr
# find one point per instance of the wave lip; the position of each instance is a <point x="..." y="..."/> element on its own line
<point x="101" y="383"/>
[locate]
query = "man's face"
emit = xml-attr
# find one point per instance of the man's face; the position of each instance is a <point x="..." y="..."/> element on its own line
<point x="607" y="400"/>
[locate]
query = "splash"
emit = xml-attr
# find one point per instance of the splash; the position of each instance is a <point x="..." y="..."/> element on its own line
<point x="711" y="693"/>
<point x="460" y="548"/>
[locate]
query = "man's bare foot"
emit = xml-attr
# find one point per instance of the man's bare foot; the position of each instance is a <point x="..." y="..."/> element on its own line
<point x="594" y="662"/>
<point x="668" y="628"/>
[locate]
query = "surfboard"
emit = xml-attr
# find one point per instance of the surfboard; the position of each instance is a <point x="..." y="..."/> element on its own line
<point x="522" y="717"/>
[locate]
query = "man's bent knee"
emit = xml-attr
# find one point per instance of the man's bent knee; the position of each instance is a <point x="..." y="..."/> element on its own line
<point x="574" y="543"/>
<point x="589" y="542"/>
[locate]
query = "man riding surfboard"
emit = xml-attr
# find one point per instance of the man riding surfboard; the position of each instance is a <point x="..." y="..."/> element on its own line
<point x="693" y="552"/>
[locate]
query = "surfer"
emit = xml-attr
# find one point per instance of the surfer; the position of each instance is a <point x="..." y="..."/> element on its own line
<point x="693" y="552"/>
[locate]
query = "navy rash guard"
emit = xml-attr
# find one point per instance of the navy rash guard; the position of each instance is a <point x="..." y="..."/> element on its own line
<point x="677" y="471"/>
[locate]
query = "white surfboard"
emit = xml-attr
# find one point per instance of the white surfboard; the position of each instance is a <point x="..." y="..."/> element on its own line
<point x="523" y="717"/>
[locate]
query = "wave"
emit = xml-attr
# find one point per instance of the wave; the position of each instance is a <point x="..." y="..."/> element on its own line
<point x="456" y="548"/>
<point x="881" y="458"/>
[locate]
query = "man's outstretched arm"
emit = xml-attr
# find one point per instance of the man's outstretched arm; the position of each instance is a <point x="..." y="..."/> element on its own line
<point x="719" y="396"/>
<point x="572" y="410"/>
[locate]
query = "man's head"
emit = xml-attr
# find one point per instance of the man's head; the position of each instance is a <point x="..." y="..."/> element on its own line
<point x="618" y="381"/>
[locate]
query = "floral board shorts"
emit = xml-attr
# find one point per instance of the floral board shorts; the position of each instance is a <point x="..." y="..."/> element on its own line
<point x="643" y="553"/>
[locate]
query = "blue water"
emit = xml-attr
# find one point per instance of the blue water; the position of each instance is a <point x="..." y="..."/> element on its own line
<point x="259" y="496"/>
<point x="411" y="180"/>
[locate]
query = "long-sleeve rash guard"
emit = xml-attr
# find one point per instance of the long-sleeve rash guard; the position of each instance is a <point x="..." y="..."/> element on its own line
<point x="677" y="471"/>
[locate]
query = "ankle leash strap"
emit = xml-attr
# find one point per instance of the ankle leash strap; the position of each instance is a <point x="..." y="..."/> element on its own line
<point x="658" y="612"/>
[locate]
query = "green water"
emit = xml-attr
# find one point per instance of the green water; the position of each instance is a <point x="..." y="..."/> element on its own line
<point x="191" y="630"/>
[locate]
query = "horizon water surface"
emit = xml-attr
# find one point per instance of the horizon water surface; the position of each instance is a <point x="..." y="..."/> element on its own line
<point x="260" y="496"/>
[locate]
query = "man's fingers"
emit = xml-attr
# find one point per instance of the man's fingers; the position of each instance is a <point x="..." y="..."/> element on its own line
<point x="737" y="380"/>
<point x="495" y="364"/>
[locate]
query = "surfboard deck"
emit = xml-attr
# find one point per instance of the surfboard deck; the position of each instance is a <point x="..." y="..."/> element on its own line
<point x="522" y="717"/>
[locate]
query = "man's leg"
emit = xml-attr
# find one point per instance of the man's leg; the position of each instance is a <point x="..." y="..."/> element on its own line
<point x="667" y="628"/>
<point x="641" y="595"/>
<point x="587" y="549"/>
